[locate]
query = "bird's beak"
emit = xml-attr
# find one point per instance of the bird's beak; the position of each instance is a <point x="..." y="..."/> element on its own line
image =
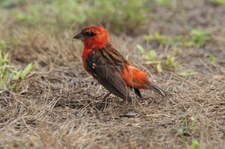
<point x="79" y="36"/>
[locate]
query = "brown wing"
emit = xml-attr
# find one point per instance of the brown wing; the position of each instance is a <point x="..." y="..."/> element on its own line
<point x="101" y="65"/>
<point x="114" y="56"/>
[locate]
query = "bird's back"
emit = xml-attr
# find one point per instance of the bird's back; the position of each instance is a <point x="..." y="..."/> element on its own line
<point x="106" y="65"/>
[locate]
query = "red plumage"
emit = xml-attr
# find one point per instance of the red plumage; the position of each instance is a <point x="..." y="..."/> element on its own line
<point x="109" y="67"/>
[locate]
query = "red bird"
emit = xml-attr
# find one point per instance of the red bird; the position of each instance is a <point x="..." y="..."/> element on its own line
<point x="109" y="67"/>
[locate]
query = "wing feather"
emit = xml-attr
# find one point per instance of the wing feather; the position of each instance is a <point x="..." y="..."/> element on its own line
<point x="106" y="70"/>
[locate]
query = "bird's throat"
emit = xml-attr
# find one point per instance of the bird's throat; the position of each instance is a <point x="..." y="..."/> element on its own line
<point x="86" y="52"/>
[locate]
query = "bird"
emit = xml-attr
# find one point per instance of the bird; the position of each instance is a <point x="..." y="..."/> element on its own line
<point x="105" y="63"/>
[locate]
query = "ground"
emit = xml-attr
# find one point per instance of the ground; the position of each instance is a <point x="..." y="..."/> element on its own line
<point x="58" y="105"/>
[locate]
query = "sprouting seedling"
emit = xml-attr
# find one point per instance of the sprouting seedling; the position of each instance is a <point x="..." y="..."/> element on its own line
<point x="157" y="37"/>
<point x="199" y="37"/>
<point x="195" y="144"/>
<point x="171" y="62"/>
<point x="147" y="55"/>
<point x="22" y="73"/>
<point x="140" y="48"/>
<point x="212" y="58"/>
<point x="187" y="73"/>
<point x="150" y="56"/>
<point x="9" y="72"/>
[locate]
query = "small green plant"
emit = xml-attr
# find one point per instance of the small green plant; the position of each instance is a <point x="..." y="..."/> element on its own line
<point x="21" y="74"/>
<point x="171" y="62"/>
<point x="140" y="48"/>
<point x="117" y="13"/>
<point x="151" y="59"/>
<point x="195" y="144"/>
<point x="217" y="2"/>
<point x="11" y="3"/>
<point x="3" y="44"/>
<point x="199" y="37"/>
<point x="187" y="124"/>
<point x="9" y="73"/>
<point x="150" y="55"/>
<point x="187" y="73"/>
<point x="212" y="59"/>
<point x="185" y="128"/>
<point x="164" y="3"/>
<point x="157" y="37"/>
<point x="181" y="41"/>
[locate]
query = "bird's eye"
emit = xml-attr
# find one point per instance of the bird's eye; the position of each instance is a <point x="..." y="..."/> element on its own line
<point x="89" y="34"/>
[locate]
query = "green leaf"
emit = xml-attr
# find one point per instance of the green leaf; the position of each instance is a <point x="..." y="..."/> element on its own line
<point x="140" y="48"/>
<point x="6" y="58"/>
<point x="3" y="44"/>
<point x="159" y="68"/>
<point x="187" y="74"/>
<point x="26" y="70"/>
<point x="170" y="61"/>
<point x="153" y="62"/>
<point x="9" y="72"/>
<point x="212" y="58"/>
<point x="150" y="54"/>
<point x="156" y="36"/>
<point x="199" y="37"/>
<point x="195" y="144"/>
<point x="1" y="58"/>
<point x="16" y="75"/>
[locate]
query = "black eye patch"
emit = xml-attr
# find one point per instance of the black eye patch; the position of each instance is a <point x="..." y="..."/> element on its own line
<point x="89" y="34"/>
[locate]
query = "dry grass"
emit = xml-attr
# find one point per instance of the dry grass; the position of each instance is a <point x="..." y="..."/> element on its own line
<point x="56" y="106"/>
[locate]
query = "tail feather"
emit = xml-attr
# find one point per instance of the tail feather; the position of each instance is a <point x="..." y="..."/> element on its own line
<point x="159" y="90"/>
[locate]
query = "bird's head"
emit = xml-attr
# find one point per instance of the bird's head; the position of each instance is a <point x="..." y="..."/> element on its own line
<point x="94" y="37"/>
